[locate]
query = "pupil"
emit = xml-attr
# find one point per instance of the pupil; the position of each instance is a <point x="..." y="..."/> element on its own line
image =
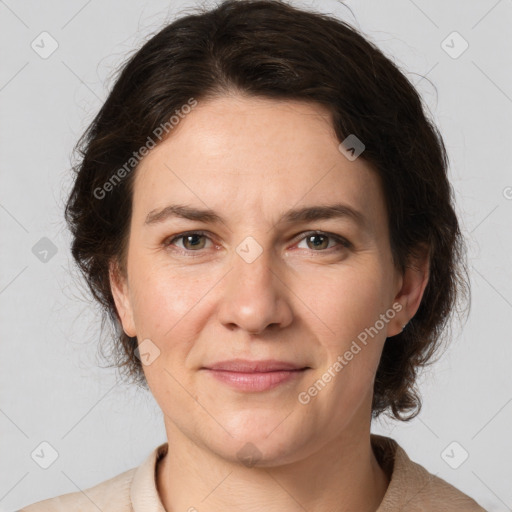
<point x="189" y="237"/>
<point x="317" y="236"/>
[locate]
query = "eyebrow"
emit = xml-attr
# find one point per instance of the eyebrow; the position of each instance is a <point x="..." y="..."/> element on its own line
<point x="296" y="215"/>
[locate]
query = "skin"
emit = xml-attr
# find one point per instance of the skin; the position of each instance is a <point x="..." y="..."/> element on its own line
<point x="250" y="160"/>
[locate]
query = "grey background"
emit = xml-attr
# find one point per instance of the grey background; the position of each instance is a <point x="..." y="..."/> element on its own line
<point x="51" y="388"/>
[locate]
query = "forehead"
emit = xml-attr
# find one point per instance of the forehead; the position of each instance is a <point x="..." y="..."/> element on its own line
<point x="240" y="153"/>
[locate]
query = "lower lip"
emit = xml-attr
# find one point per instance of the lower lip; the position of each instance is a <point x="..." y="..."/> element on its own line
<point x="258" y="381"/>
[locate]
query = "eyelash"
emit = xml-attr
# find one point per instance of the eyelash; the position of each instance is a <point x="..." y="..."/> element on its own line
<point x="345" y="244"/>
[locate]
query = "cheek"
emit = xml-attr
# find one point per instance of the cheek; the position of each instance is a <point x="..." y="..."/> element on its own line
<point x="346" y="301"/>
<point x="167" y="310"/>
<point x="348" y="305"/>
<point x="163" y="297"/>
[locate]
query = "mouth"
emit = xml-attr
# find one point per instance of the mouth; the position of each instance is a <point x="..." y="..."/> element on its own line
<point x="255" y="376"/>
<point x="253" y="366"/>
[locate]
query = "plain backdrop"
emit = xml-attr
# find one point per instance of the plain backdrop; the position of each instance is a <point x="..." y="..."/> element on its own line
<point x="52" y="389"/>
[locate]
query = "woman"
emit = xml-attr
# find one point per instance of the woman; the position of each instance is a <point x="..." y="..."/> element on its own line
<point x="262" y="208"/>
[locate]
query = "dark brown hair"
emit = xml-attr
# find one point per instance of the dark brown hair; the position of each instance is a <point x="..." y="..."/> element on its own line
<point x="269" y="49"/>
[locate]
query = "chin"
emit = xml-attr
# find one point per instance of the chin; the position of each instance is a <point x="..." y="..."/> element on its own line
<point x="268" y="441"/>
<point x="259" y="453"/>
<point x="257" y="424"/>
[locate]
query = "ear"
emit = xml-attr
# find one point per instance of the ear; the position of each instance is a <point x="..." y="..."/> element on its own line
<point x="120" y="292"/>
<point x="411" y="288"/>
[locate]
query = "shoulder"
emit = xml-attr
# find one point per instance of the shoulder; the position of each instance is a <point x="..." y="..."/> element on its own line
<point x="412" y="488"/>
<point x="133" y="489"/>
<point x="112" y="495"/>
<point x="437" y="494"/>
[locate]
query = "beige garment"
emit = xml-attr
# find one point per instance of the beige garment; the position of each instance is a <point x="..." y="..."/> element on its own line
<point x="412" y="488"/>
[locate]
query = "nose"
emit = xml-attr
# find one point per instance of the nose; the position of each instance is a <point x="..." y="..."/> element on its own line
<point x="255" y="295"/>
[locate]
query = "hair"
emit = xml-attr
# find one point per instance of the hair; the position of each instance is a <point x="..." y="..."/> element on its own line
<point x="269" y="49"/>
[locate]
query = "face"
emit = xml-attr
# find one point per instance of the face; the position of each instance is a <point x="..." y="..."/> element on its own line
<point x="266" y="275"/>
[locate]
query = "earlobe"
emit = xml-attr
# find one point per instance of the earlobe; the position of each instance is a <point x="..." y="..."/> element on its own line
<point x="119" y="288"/>
<point x="413" y="283"/>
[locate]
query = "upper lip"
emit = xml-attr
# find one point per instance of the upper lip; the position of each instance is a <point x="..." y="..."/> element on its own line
<point x="248" y="366"/>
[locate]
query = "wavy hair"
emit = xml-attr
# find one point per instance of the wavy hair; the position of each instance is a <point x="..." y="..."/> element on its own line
<point x="270" y="49"/>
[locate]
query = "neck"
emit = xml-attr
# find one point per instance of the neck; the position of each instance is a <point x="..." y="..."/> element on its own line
<point x="342" y="476"/>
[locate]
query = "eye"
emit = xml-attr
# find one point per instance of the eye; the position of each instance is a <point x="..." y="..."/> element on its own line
<point x="318" y="241"/>
<point x="191" y="241"/>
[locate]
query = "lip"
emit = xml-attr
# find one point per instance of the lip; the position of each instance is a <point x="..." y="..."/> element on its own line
<point x="252" y="366"/>
<point x="255" y="376"/>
